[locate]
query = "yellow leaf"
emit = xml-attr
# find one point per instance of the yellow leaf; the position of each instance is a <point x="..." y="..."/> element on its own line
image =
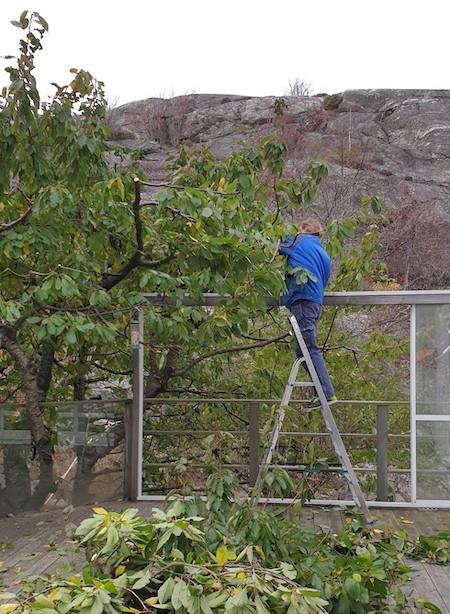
<point x="53" y="594"/>
<point x="75" y="580"/>
<point x="26" y="249"/>
<point x="120" y="569"/>
<point x="377" y="531"/>
<point x="406" y="521"/>
<point x="131" y="610"/>
<point x="223" y="555"/>
<point x="216" y="585"/>
<point x="241" y="576"/>
<point x="151" y="600"/>
<point x="2" y="207"/>
<point x="8" y="607"/>
<point x="357" y="577"/>
<point x="100" y="511"/>
<point x="260" y="552"/>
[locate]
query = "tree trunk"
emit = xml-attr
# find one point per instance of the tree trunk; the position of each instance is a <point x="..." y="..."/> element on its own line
<point x="36" y="384"/>
<point x="41" y="437"/>
<point x="17" y="492"/>
<point x="93" y="452"/>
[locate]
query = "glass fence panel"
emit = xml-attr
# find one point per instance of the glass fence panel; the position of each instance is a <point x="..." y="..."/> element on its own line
<point x="433" y="359"/>
<point x="367" y="354"/>
<point x="433" y="460"/>
<point x="87" y="461"/>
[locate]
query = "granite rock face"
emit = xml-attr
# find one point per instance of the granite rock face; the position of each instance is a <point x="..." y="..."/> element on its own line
<point x="393" y="143"/>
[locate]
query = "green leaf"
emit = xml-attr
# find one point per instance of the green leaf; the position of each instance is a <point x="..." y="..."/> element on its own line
<point x="144" y="579"/>
<point x="207" y="212"/>
<point x="428" y="606"/>
<point x="165" y="591"/>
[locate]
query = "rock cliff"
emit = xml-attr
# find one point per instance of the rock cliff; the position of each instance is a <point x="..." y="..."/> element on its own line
<point x="393" y="143"/>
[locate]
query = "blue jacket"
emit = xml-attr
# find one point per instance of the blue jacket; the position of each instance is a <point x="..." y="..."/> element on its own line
<point x="306" y="252"/>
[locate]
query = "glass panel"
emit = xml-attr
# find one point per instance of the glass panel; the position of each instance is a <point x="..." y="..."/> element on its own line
<point x="87" y="463"/>
<point x="367" y="354"/>
<point x="433" y="359"/>
<point x="433" y="460"/>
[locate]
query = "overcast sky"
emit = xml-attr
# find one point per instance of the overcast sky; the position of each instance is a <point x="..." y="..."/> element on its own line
<point x="143" y="48"/>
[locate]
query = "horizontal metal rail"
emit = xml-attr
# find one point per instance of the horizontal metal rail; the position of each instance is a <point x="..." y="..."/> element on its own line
<point x="379" y="297"/>
<point x="287" y="433"/>
<point x="162" y="401"/>
<point x="301" y="468"/>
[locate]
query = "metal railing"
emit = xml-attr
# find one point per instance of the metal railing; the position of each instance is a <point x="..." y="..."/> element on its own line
<point x="253" y="434"/>
<point x="72" y="419"/>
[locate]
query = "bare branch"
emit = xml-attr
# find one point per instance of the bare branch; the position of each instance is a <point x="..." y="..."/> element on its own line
<point x="112" y="371"/>
<point x="188" y="187"/>
<point x="235" y="348"/>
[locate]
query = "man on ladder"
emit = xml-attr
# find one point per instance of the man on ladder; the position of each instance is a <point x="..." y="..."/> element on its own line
<point x="306" y="254"/>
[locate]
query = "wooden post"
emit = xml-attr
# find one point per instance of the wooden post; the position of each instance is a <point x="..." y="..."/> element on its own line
<point x="137" y="407"/>
<point x="382" y="452"/>
<point x="253" y="435"/>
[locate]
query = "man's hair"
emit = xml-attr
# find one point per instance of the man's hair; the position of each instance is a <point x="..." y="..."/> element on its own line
<point x="311" y="225"/>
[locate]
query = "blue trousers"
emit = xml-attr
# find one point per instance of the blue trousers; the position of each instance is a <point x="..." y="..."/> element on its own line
<point x="307" y="315"/>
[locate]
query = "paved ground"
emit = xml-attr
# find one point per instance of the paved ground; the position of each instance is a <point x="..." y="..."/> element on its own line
<point x="36" y="543"/>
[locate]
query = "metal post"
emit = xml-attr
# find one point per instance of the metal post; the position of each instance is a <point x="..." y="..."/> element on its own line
<point x="253" y="435"/>
<point x="382" y="452"/>
<point x="135" y="440"/>
<point x="127" y="451"/>
<point x="413" y="408"/>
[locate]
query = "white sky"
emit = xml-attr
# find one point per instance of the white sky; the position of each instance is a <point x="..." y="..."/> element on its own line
<point x="143" y="48"/>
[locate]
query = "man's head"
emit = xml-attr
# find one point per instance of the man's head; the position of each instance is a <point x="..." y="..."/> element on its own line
<point x="311" y="226"/>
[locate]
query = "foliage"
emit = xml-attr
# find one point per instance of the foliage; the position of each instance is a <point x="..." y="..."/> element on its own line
<point x="225" y="556"/>
<point x="64" y="313"/>
<point x="81" y="242"/>
<point x="210" y="230"/>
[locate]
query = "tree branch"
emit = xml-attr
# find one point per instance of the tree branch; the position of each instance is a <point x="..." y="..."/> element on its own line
<point x="189" y="187"/>
<point x="235" y="348"/>
<point x="9" y="342"/>
<point x="21" y="218"/>
<point x="136" y="214"/>
<point x="112" y="371"/>
<point x="44" y="374"/>
<point x="154" y="263"/>
<point x="112" y="279"/>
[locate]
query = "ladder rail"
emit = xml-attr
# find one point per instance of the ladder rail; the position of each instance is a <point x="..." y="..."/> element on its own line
<point x="275" y="433"/>
<point x="330" y="424"/>
<point x="338" y="444"/>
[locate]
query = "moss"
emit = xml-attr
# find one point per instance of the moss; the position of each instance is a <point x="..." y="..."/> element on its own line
<point x="332" y="102"/>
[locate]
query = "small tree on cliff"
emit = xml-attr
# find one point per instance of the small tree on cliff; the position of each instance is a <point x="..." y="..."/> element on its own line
<point x="78" y="245"/>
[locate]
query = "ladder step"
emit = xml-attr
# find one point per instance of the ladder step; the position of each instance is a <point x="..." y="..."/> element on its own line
<point x="302" y="384"/>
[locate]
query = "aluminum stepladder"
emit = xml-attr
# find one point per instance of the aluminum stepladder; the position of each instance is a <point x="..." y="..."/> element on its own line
<point x="346" y="467"/>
